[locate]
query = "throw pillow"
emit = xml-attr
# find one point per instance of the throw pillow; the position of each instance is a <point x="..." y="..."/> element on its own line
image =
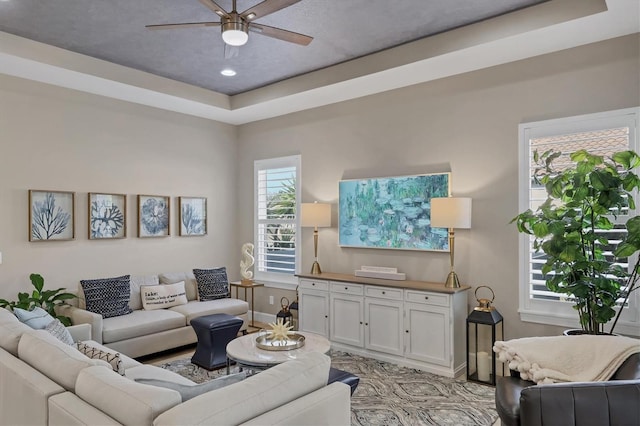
<point x="113" y="358"/>
<point x="191" y="391"/>
<point x="59" y="331"/>
<point x="212" y="283"/>
<point x="108" y="297"/>
<point x="37" y="318"/>
<point x="163" y="296"/>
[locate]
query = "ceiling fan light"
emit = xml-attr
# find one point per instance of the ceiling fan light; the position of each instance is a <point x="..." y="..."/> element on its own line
<point x="235" y="37"/>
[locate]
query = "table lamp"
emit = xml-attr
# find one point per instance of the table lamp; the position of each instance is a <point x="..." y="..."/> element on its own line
<point x="451" y="213"/>
<point x="316" y="215"/>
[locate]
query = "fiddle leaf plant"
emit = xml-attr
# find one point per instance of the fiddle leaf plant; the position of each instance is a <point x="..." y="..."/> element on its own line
<point x="45" y="299"/>
<point x="570" y="227"/>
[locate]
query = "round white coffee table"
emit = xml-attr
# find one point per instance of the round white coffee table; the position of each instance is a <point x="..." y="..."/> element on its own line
<point x="245" y="353"/>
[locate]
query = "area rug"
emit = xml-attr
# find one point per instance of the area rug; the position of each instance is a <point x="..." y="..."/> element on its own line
<point x="389" y="395"/>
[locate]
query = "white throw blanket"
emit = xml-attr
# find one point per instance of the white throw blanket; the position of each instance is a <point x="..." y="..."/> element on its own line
<point x="582" y="358"/>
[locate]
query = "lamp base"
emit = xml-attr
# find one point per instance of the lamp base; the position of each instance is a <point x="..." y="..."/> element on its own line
<point x="315" y="268"/>
<point x="452" y="280"/>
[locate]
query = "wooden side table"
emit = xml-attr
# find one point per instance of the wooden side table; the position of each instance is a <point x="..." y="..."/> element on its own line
<point x="239" y="285"/>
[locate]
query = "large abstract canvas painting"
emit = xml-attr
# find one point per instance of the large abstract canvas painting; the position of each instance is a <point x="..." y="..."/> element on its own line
<point x="392" y="212"/>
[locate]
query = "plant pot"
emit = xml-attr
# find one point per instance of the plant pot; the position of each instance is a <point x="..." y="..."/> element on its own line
<point x="579" y="331"/>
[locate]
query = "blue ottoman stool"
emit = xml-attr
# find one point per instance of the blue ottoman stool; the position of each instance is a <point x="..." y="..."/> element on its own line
<point x="336" y="375"/>
<point x="214" y="333"/>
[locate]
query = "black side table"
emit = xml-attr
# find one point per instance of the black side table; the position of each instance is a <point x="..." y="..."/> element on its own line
<point x="214" y="333"/>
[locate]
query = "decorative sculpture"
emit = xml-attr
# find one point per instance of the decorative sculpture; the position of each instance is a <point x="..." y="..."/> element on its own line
<point x="246" y="263"/>
<point x="280" y="329"/>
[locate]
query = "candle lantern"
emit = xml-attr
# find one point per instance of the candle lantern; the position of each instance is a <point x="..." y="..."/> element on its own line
<point x="285" y="313"/>
<point x="482" y="332"/>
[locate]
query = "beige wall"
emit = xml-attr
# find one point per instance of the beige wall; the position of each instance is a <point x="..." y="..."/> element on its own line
<point x="466" y="124"/>
<point x="57" y="139"/>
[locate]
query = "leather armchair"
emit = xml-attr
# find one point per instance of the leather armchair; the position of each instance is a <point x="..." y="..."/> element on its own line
<point x="615" y="402"/>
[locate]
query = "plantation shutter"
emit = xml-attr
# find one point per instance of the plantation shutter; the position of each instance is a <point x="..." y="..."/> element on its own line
<point x="600" y="142"/>
<point x="276" y="216"/>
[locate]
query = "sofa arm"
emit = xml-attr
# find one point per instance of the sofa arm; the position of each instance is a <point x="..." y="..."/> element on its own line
<point x="81" y="316"/>
<point x="80" y="332"/>
<point x="613" y="403"/>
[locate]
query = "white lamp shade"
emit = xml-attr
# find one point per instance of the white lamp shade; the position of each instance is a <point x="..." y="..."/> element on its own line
<point x="316" y="214"/>
<point x="451" y="213"/>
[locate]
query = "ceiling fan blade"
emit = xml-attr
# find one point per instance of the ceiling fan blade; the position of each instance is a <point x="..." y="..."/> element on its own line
<point x="214" y="7"/>
<point x="184" y="25"/>
<point x="231" y="51"/>
<point x="280" y="34"/>
<point x="265" y="8"/>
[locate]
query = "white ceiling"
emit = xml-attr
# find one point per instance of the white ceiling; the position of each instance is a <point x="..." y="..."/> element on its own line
<point x="536" y="30"/>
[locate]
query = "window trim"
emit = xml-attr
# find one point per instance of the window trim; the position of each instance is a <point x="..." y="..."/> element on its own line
<point x="557" y="312"/>
<point x="277" y="279"/>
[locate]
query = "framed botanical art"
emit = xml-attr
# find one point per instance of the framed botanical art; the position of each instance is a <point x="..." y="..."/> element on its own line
<point x="51" y="215"/>
<point x="153" y="216"/>
<point x="192" y="216"/>
<point x="107" y="216"/>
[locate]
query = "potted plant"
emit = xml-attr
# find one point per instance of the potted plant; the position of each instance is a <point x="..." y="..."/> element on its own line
<point x="568" y="227"/>
<point x="45" y="299"/>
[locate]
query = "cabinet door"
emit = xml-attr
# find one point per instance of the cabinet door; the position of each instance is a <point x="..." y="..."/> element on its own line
<point x="427" y="333"/>
<point x="314" y="312"/>
<point x="347" y="316"/>
<point x="383" y="325"/>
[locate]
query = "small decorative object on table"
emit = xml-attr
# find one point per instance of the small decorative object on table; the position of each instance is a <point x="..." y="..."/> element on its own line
<point x="279" y="338"/>
<point x="246" y="263"/>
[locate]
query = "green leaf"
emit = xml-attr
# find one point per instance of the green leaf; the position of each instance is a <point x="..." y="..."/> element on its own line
<point x="37" y="281"/>
<point x="580" y="155"/>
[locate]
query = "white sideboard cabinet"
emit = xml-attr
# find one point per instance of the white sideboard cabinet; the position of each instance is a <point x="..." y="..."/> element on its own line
<point x="412" y="323"/>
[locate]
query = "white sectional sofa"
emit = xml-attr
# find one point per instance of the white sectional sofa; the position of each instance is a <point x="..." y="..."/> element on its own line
<point x="46" y="382"/>
<point x="144" y="332"/>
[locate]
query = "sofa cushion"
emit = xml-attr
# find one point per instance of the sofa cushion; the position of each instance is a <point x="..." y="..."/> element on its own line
<point x="59" y="331"/>
<point x="212" y="283"/>
<point x="7" y="316"/>
<point x="10" y="333"/>
<point x="220" y="306"/>
<point x="60" y="362"/>
<point x="135" y="284"/>
<point x="94" y="353"/>
<point x="267" y="390"/>
<point x="37" y="318"/>
<point x="126" y="401"/>
<point x="190" y="285"/>
<point x="108" y="297"/>
<point x="163" y="296"/>
<point x="146" y="371"/>
<point x="127" y="362"/>
<point x="140" y="323"/>
<point x="191" y="391"/>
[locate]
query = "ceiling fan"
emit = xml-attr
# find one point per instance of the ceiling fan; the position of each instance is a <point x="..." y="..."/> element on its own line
<point x="236" y="26"/>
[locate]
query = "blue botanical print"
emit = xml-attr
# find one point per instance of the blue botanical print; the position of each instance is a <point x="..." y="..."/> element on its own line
<point x="192" y="223"/>
<point x="47" y="220"/>
<point x="154" y="216"/>
<point x="106" y="219"/>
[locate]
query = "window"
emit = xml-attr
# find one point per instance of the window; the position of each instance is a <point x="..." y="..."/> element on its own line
<point x="603" y="134"/>
<point x="276" y="222"/>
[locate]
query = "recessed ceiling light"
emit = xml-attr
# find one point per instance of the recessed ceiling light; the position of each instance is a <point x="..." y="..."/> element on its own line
<point x="228" y="72"/>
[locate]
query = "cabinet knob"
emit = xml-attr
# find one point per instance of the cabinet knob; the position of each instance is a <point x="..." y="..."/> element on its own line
<point x="326" y="316"/>
<point x="406" y="331"/>
<point x="360" y="322"/>
<point x="346" y="288"/>
<point x="313" y="283"/>
<point x="366" y="323"/>
<point x="384" y="292"/>
<point x="426" y="298"/>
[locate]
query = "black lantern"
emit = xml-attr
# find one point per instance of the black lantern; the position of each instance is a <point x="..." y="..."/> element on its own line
<point x="285" y="313"/>
<point x="482" y="323"/>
